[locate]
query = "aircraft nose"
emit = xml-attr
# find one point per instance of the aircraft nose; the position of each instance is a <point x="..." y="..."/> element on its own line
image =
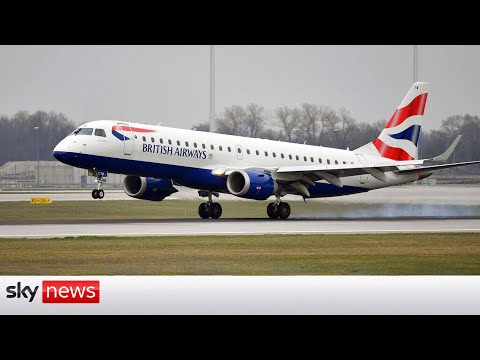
<point x="59" y="151"/>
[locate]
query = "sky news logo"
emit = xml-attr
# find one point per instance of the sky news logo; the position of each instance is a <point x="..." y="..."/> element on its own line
<point x="58" y="292"/>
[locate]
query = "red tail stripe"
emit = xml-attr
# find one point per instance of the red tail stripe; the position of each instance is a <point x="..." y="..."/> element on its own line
<point x="118" y="127"/>
<point x="391" y="152"/>
<point x="416" y="107"/>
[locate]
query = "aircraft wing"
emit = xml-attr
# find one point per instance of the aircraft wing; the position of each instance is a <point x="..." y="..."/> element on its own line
<point x="299" y="177"/>
<point x="334" y="173"/>
<point x="435" y="167"/>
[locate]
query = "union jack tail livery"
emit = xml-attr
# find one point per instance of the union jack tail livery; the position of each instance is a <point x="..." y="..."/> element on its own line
<point x="399" y="139"/>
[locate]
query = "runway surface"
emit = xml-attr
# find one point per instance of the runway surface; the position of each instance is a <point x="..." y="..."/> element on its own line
<point x="235" y="227"/>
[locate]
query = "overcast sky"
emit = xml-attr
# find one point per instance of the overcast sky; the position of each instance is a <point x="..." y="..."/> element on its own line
<point x="170" y="84"/>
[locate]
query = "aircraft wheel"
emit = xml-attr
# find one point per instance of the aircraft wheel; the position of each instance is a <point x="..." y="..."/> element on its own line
<point x="100" y="194"/>
<point x="272" y="211"/>
<point x="95" y="194"/>
<point x="283" y="210"/>
<point x="203" y="211"/>
<point x="215" y="210"/>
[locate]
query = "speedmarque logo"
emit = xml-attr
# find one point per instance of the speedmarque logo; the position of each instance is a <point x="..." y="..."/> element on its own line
<point x="59" y="291"/>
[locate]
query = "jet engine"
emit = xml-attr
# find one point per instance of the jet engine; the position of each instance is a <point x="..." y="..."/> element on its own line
<point x="148" y="188"/>
<point x="251" y="184"/>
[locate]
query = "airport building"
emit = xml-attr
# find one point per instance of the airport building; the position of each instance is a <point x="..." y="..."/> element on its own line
<point x="30" y="174"/>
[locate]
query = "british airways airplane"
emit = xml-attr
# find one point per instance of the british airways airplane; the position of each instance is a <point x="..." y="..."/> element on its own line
<point x="156" y="158"/>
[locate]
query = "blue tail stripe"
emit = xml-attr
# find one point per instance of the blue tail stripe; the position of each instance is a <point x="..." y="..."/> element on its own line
<point x="412" y="134"/>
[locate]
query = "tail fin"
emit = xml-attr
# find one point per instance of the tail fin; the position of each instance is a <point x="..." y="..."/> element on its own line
<point x="399" y="139"/>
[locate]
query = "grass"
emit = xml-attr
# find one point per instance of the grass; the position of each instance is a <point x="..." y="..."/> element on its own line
<point x="382" y="254"/>
<point x="121" y="209"/>
<point x="23" y="211"/>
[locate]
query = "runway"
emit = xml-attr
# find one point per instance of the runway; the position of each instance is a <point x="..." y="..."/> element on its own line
<point x="235" y="227"/>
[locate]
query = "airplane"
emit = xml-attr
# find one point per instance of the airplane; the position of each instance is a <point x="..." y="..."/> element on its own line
<point x="155" y="159"/>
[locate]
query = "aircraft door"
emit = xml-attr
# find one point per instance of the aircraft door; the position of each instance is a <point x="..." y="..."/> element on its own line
<point x="239" y="152"/>
<point x="362" y="178"/>
<point x="128" y="138"/>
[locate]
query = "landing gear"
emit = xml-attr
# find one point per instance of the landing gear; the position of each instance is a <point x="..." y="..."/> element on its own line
<point x="212" y="210"/>
<point x="209" y="209"/>
<point x="278" y="209"/>
<point x="98" y="193"/>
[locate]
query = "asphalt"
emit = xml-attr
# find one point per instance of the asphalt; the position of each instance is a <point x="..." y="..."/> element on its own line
<point x="237" y="227"/>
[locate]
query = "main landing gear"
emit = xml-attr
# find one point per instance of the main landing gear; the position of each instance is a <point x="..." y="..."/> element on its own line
<point x="278" y="209"/>
<point x="98" y="193"/>
<point x="209" y="209"/>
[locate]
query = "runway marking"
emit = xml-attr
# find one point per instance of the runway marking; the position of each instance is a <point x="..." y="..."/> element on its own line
<point x="243" y="233"/>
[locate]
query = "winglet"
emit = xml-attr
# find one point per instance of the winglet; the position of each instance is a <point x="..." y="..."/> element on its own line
<point x="448" y="152"/>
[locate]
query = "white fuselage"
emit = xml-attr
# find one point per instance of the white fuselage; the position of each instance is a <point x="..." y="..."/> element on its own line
<point x="188" y="157"/>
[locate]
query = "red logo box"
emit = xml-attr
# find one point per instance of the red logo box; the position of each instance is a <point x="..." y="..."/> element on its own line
<point x="71" y="292"/>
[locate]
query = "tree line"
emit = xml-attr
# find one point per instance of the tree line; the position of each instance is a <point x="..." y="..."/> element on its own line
<point x="18" y="136"/>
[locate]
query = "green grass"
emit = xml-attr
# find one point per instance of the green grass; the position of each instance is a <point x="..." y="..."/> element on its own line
<point x="16" y="211"/>
<point x="23" y="211"/>
<point x="121" y="209"/>
<point x="383" y="254"/>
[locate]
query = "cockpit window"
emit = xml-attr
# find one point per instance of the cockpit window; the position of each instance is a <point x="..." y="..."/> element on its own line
<point x="100" y="132"/>
<point x="83" y="131"/>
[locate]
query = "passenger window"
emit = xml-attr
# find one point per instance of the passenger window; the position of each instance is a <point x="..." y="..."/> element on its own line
<point x="328" y="161"/>
<point x="203" y="146"/>
<point x="229" y="149"/>
<point x="248" y="151"/>
<point x="320" y="160"/>
<point x="153" y="140"/>
<point x="336" y="162"/>
<point x="311" y="159"/>
<point x="296" y="157"/>
<point x="274" y="155"/>
<point x="283" y="156"/>
<point x="169" y="142"/>
<point x="290" y="157"/>
<point x="304" y="158"/>
<point x="266" y="153"/>
<point x="178" y="143"/>
<point x="344" y="162"/>
<point x="220" y="148"/>
<point x="144" y="138"/>
<point x="239" y="150"/>
<point x="257" y="152"/>
<point x="100" y="132"/>
<point x="186" y="143"/>
<point x="135" y="136"/>
<point x="195" y="145"/>
<point x="212" y="147"/>
<point x="161" y="141"/>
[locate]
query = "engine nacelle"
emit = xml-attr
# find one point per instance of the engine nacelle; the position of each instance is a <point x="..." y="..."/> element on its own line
<point x="251" y="184"/>
<point x="148" y="188"/>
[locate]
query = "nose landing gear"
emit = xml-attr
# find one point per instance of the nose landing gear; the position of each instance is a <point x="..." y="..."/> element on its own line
<point x="98" y="193"/>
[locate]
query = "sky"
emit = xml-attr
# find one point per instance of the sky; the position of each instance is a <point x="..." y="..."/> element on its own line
<point x="171" y="84"/>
